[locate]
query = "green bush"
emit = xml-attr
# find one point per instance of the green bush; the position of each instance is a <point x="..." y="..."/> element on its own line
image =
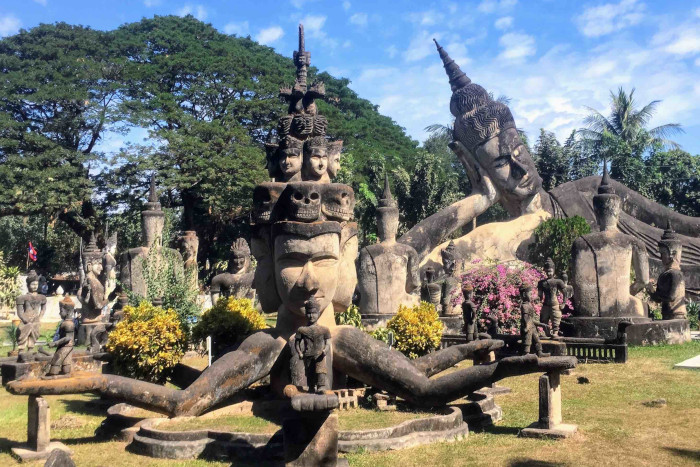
<point x="693" y="308"/>
<point x="350" y="317"/>
<point x="148" y="343"/>
<point x="9" y="286"/>
<point x="417" y="330"/>
<point x="227" y="322"/>
<point x="553" y="239"/>
<point x="381" y="334"/>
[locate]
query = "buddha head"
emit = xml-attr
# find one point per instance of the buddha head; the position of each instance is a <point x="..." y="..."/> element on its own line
<point x="92" y="257"/>
<point x="290" y="159"/>
<point x="487" y="130"/>
<point x="315" y="158"/>
<point x="239" y="257"/>
<point x="334" y="149"/>
<point x="387" y="215"/>
<point x="606" y="204"/>
<point x="670" y="248"/>
<point x="467" y="292"/>
<point x="32" y="281"/>
<point x="549" y="268"/>
<point x="429" y="275"/>
<point x="152" y="219"/>
<point x="66" y="307"/>
<point x="449" y="258"/>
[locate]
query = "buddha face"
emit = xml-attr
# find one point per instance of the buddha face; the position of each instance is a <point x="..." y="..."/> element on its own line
<point x="237" y="262"/>
<point x="316" y="162"/>
<point x="33" y="286"/>
<point x="387" y="224"/>
<point x="607" y="211"/>
<point x="333" y="164"/>
<point x="290" y="162"/>
<point x="448" y="265"/>
<point x="509" y="165"/>
<point x="549" y="270"/>
<point x="65" y="311"/>
<point x="669" y="257"/>
<point x="95" y="267"/>
<point x="305" y="268"/>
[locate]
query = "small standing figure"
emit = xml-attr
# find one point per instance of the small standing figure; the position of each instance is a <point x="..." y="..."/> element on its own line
<point x="99" y="336"/>
<point x="62" y="362"/>
<point x="670" y="286"/>
<point x="431" y="290"/>
<point x="312" y="344"/>
<point x="451" y="285"/>
<point x="30" y="309"/>
<point x="469" y="314"/>
<point x="529" y="323"/>
<point x="547" y="291"/>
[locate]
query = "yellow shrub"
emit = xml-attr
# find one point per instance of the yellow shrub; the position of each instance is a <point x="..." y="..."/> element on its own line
<point x="417" y="330"/>
<point x="227" y="321"/>
<point x="147" y="343"/>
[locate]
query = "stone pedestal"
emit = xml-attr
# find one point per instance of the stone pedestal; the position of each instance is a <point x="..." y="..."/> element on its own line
<point x="39" y="445"/>
<point x="311" y="440"/>
<point x="550" y="423"/>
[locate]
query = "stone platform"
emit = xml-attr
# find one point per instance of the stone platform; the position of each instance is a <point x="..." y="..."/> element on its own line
<point x="12" y="370"/>
<point x="643" y="331"/>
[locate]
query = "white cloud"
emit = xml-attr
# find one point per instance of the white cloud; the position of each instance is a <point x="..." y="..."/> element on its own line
<point x="240" y="29"/>
<point x="41" y="2"/>
<point x="491" y="6"/>
<point x="347" y="44"/>
<point x="426" y="18"/>
<point x="391" y="51"/>
<point x="9" y="24"/>
<point x="346" y="5"/>
<point x="516" y="46"/>
<point x="682" y="39"/>
<point x="313" y="24"/>
<point x="151" y="3"/>
<point x="610" y="17"/>
<point x="359" y="19"/>
<point x="503" y="23"/>
<point x="269" y="35"/>
<point x="421" y="46"/>
<point x="198" y="11"/>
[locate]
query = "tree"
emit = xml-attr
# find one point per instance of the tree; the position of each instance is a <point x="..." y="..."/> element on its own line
<point x="551" y="160"/>
<point x="60" y="94"/>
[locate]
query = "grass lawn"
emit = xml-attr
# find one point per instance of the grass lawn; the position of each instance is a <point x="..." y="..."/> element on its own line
<point x="615" y="427"/>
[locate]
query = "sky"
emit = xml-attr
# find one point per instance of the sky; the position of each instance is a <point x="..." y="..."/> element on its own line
<point x="553" y="58"/>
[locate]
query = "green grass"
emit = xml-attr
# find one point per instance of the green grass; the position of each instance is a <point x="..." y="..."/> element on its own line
<point x="615" y="428"/>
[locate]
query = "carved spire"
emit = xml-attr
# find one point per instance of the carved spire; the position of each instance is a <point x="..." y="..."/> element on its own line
<point x="605" y="186"/>
<point x="457" y="77"/>
<point x="669" y="237"/>
<point x="152" y="195"/>
<point x="387" y="200"/>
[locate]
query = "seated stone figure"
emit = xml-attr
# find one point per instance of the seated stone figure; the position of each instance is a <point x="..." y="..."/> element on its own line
<point x="602" y="262"/>
<point x="387" y="271"/>
<point x="306" y="257"/>
<point x="61" y="362"/>
<point x="547" y="291"/>
<point x="501" y="170"/>
<point x="30" y="309"/>
<point x="670" y="286"/>
<point x="237" y="281"/>
<point x="311" y="344"/>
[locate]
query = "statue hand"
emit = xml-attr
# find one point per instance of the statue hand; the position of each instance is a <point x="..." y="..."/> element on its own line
<point x="478" y="177"/>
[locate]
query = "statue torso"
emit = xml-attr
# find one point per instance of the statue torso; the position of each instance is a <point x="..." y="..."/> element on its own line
<point x="383" y="277"/>
<point x="233" y="285"/>
<point x="314" y="340"/>
<point x="31" y="305"/>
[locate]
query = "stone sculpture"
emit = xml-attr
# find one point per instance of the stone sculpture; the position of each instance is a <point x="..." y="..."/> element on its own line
<point x="189" y="247"/>
<point x="547" y="291"/>
<point x="61" y="362"/>
<point x="312" y="346"/>
<point x="100" y="334"/>
<point x="501" y="171"/>
<point x="237" y="281"/>
<point x="602" y="262"/>
<point x="431" y="291"/>
<point x="387" y="271"/>
<point x="109" y="265"/>
<point x="529" y="323"/>
<point x="134" y="261"/>
<point x="30" y="309"/>
<point x="93" y="293"/>
<point x="307" y="260"/>
<point x="469" y="309"/>
<point x="670" y="286"/>
<point x="450" y="283"/>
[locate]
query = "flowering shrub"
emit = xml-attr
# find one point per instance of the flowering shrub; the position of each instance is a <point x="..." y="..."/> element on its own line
<point x="148" y="343"/>
<point x="227" y="321"/>
<point x="350" y="317"/>
<point x="496" y="291"/>
<point x="417" y="330"/>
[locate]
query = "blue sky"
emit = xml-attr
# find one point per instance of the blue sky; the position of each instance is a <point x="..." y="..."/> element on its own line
<point x="551" y="57"/>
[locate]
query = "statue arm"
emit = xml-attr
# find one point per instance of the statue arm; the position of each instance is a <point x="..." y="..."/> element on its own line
<point x="43" y="308"/>
<point x="413" y="276"/>
<point x="640" y="261"/>
<point x="20" y="310"/>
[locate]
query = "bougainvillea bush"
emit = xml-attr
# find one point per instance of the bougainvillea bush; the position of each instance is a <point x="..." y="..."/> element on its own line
<point x="418" y="330"/>
<point x="148" y="343"/>
<point x="496" y="291"/>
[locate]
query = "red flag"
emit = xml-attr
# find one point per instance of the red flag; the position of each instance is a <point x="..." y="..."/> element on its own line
<point x="31" y="251"/>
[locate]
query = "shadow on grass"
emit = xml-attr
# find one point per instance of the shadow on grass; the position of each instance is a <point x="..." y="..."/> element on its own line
<point x="95" y="406"/>
<point x="501" y="430"/>
<point x="523" y="462"/>
<point x="687" y="453"/>
<point x="7" y="444"/>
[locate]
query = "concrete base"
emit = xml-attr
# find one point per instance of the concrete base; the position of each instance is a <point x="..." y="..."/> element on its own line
<point x="690" y="364"/>
<point x="24" y="453"/>
<point x="536" y="430"/>
<point x="596" y="326"/>
<point x="643" y="331"/>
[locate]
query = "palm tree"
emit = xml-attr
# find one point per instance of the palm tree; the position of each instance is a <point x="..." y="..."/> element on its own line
<point x="628" y="123"/>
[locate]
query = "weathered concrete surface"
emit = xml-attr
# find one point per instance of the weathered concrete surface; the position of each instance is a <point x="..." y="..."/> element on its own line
<point x="690" y="364"/>
<point x="550" y="423"/>
<point x="39" y="445"/>
<point x="82" y="362"/>
<point x="671" y="331"/>
<point x="311" y="439"/>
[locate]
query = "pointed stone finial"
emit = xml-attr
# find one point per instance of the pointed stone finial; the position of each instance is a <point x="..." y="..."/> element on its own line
<point x="387" y="200"/>
<point x="605" y="186"/>
<point x="152" y="195"/>
<point x="669" y="235"/>
<point x="458" y="79"/>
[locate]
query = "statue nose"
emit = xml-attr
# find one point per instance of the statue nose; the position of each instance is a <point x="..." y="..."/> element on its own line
<point x="517" y="169"/>
<point x="307" y="280"/>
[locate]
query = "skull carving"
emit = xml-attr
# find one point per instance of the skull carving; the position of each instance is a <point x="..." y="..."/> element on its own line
<point x="302" y="202"/>
<point x="338" y="202"/>
<point x="265" y="197"/>
<point x="302" y="125"/>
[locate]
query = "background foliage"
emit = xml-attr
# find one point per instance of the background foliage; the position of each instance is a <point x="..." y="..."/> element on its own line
<point x="554" y="238"/>
<point x="417" y="329"/>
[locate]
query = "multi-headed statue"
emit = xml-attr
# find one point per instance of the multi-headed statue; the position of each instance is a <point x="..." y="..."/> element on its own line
<point x="303" y="245"/>
<point x="30" y="309"/>
<point x="237" y="281"/>
<point x="670" y="286"/>
<point x="388" y="271"/>
<point x="548" y="291"/>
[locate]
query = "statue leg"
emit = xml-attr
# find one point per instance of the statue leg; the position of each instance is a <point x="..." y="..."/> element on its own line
<point x="545" y="316"/>
<point x="67" y="365"/>
<point x="370" y="361"/>
<point x="226" y="376"/>
<point x="556" y="320"/>
<point x="22" y="336"/>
